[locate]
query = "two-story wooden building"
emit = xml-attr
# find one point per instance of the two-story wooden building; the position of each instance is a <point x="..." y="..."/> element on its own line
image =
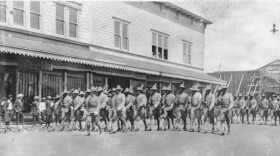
<point x="48" y="46"/>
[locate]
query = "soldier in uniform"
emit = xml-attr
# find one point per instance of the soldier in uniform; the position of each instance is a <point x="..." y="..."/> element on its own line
<point x="111" y="108"/>
<point x="253" y="104"/>
<point x="154" y="107"/>
<point x="103" y="108"/>
<point x="35" y="110"/>
<point x="65" y="112"/>
<point x="182" y="102"/>
<point x="57" y="110"/>
<point x="75" y="104"/>
<point x="78" y="110"/>
<point x="238" y="105"/>
<point x="169" y="104"/>
<point x="120" y="108"/>
<point x="264" y="109"/>
<point x="18" y="106"/>
<point x="208" y="105"/>
<point x="196" y="100"/>
<point x="226" y="104"/>
<point x="8" y="112"/>
<point x="49" y="113"/>
<point x="93" y="107"/>
<point x="274" y="109"/>
<point x="139" y="109"/>
<point x="129" y="104"/>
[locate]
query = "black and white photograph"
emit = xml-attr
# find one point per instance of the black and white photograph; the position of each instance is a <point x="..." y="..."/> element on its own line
<point x="140" y="78"/>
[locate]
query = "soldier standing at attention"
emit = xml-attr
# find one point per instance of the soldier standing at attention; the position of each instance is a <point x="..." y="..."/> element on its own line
<point x="129" y="104"/>
<point x="196" y="100"/>
<point x="18" y="106"/>
<point x="169" y="103"/>
<point x="264" y="109"/>
<point x="208" y="111"/>
<point x="49" y="113"/>
<point x="226" y="104"/>
<point x="253" y="104"/>
<point x="154" y="111"/>
<point x="140" y="111"/>
<point x="35" y="111"/>
<point x="182" y="102"/>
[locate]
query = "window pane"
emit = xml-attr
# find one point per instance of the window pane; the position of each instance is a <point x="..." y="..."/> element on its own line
<point x="18" y="17"/>
<point x="18" y="4"/>
<point x="165" y="55"/>
<point x="117" y="27"/>
<point x="72" y="30"/>
<point x="2" y="13"/>
<point x="35" y="21"/>
<point x="159" y="52"/>
<point x="125" y="43"/>
<point x="117" y="41"/>
<point x="59" y="27"/>
<point x="124" y="30"/>
<point x="35" y="6"/>
<point x="154" y="39"/>
<point x="189" y="57"/>
<point x="154" y="49"/>
<point x="73" y="15"/>
<point x="165" y="43"/>
<point x="189" y="48"/>
<point x="160" y="40"/>
<point x="184" y="48"/>
<point x="60" y="11"/>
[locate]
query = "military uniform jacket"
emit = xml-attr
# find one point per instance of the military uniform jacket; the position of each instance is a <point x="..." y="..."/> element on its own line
<point x="57" y="107"/>
<point x="264" y="104"/>
<point x="94" y="104"/>
<point x="66" y="102"/>
<point x="35" y="108"/>
<point x="209" y="101"/>
<point x="7" y="105"/>
<point x="18" y="106"/>
<point x="155" y="99"/>
<point x="253" y="103"/>
<point x="227" y="100"/>
<point x="49" y="109"/>
<point x="169" y="100"/>
<point x="274" y="105"/>
<point x="141" y="100"/>
<point x="77" y="103"/>
<point x="196" y="99"/>
<point x="129" y="100"/>
<point x="103" y="100"/>
<point x="163" y="99"/>
<point x="120" y="101"/>
<point x="182" y="99"/>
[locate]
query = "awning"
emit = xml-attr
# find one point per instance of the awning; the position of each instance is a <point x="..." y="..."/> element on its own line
<point x="36" y="49"/>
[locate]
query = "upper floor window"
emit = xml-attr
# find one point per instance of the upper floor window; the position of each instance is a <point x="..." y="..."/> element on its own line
<point x="18" y="13"/>
<point x="60" y="23"/>
<point x="3" y="11"/>
<point x="121" y="35"/>
<point x="187" y="55"/>
<point x="73" y="22"/>
<point x="159" y="45"/>
<point x="35" y="14"/>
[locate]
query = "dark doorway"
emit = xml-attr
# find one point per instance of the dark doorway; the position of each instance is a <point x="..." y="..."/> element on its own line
<point x="113" y="81"/>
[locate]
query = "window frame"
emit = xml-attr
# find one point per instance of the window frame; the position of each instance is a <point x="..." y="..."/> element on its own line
<point x="187" y="56"/>
<point x="24" y="15"/>
<point x="122" y="22"/>
<point x="68" y="22"/>
<point x="6" y="16"/>
<point x="40" y="17"/>
<point x="163" y="46"/>
<point x="64" y="21"/>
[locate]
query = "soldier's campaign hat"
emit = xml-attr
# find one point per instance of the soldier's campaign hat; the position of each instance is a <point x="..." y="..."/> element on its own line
<point x="168" y="87"/>
<point x="274" y="95"/>
<point x="36" y="97"/>
<point x="20" y="95"/>
<point x="140" y="88"/>
<point x="76" y="91"/>
<point x="56" y="96"/>
<point x="126" y="90"/>
<point x="82" y="93"/>
<point x="163" y="88"/>
<point x="113" y="89"/>
<point x="240" y="95"/>
<point x="251" y="94"/>
<point x="118" y="87"/>
<point x="105" y="91"/>
<point x="194" y="87"/>
<point x="154" y="87"/>
<point x="88" y="91"/>
<point x="110" y="95"/>
<point x="93" y="89"/>
<point x="182" y="85"/>
<point x="208" y="87"/>
<point x="218" y="88"/>
<point x="263" y="95"/>
<point x="49" y="97"/>
<point x="10" y="96"/>
<point x="99" y="89"/>
<point x="43" y="98"/>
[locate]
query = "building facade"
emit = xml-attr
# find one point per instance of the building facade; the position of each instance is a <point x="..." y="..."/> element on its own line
<point x="264" y="80"/>
<point x="49" y="46"/>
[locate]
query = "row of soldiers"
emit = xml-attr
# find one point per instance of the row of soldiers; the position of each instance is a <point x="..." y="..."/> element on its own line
<point x="119" y="108"/>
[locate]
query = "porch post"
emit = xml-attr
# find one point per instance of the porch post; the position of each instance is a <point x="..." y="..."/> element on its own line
<point x="17" y="82"/>
<point x="40" y="84"/>
<point x="65" y="80"/>
<point x="88" y="77"/>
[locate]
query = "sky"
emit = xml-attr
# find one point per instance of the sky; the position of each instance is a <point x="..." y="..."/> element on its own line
<point x="240" y="36"/>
